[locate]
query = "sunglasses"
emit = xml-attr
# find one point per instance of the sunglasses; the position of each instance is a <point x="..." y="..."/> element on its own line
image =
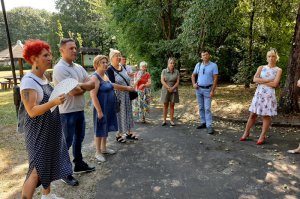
<point x="203" y="71"/>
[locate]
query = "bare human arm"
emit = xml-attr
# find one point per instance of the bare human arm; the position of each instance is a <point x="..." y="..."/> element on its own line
<point x="29" y="98"/>
<point x="193" y="77"/>
<point x="94" y="97"/>
<point x="82" y="87"/>
<point x="275" y="83"/>
<point x="214" y="86"/>
<point x="163" y="82"/>
<point x="176" y="84"/>
<point x="122" y="88"/>
<point x="148" y="84"/>
<point x="257" y="78"/>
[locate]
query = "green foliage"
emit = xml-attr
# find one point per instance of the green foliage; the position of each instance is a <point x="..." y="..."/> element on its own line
<point x="25" y="23"/>
<point x="153" y="30"/>
<point x="85" y="21"/>
<point x="273" y="27"/>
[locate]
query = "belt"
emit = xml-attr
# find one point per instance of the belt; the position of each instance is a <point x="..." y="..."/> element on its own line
<point x="205" y="87"/>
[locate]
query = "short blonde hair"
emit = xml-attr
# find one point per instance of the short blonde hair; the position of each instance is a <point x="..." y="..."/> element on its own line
<point x="113" y="52"/>
<point x="273" y="51"/>
<point x="171" y="59"/>
<point x="97" y="60"/>
<point x="143" y="63"/>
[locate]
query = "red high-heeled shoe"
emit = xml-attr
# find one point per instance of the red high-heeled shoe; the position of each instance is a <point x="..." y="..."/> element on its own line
<point x="245" y="138"/>
<point x="260" y="142"/>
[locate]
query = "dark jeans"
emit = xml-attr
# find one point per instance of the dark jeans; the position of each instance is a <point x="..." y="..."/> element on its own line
<point x="73" y="126"/>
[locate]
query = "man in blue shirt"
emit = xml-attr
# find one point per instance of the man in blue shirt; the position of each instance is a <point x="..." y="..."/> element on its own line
<point x="204" y="79"/>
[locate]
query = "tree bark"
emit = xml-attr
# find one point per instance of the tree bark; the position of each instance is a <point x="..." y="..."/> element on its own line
<point x="250" y="50"/>
<point x="288" y="102"/>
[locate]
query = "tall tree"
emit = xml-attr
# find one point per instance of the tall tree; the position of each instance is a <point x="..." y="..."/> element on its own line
<point x="289" y="98"/>
<point x="25" y="23"/>
<point x="86" y="20"/>
<point x="148" y="30"/>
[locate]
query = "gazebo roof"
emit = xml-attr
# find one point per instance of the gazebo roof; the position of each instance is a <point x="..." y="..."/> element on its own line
<point x="17" y="51"/>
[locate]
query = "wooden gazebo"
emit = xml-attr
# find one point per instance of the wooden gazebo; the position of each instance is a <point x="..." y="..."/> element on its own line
<point x="17" y="51"/>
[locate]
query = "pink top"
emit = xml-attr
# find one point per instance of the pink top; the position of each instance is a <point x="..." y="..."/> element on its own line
<point x="144" y="79"/>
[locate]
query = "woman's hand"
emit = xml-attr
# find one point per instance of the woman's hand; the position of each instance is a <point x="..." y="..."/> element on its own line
<point x="100" y="115"/>
<point x="60" y="99"/>
<point x="142" y="86"/>
<point x="130" y="88"/>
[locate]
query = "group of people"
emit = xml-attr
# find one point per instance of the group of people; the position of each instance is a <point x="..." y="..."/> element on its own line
<point x="49" y="135"/>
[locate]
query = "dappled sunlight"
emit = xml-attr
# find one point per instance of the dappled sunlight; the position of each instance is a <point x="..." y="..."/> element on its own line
<point x="4" y="103"/>
<point x="272" y="177"/>
<point x="285" y="167"/>
<point x="290" y="197"/>
<point x="245" y="196"/>
<point x="11" y="182"/>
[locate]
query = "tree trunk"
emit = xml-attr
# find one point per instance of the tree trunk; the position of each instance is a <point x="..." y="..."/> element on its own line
<point x="288" y="102"/>
<point x="250" y="50"/>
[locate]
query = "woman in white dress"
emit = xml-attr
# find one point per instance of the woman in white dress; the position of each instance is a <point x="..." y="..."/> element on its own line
<point x="264" y="101"/>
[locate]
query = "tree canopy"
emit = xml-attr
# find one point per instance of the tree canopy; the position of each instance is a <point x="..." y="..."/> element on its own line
<point x="238" y="33"/>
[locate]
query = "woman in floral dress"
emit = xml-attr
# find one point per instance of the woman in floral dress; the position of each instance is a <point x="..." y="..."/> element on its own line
<point x="142" y="82"/>
<point x="264" y="101"/>
<point x="120" y="79"/>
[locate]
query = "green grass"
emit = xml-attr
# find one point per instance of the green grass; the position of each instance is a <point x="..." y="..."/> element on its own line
<point x="8" y="114"/>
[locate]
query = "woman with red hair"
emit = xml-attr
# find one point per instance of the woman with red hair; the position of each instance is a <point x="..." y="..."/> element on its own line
<point x="48" y="156"/>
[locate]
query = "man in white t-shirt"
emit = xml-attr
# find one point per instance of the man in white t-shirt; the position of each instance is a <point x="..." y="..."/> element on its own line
<point x="72" y="111"/>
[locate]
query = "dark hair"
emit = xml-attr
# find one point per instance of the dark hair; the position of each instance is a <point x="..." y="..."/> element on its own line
<point x="204" y="51"/>
<point x="63" y="41"/>
<point x="124" y="56"/>
<point x="34" y="47"/>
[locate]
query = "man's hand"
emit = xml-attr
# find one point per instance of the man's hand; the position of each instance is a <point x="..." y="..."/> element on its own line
<point x="195" y="86"/>
<point x="212" y="93"/>
<point x="76" y="91"/>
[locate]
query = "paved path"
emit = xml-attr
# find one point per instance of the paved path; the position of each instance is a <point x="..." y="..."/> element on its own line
<point x="182" y="162"/>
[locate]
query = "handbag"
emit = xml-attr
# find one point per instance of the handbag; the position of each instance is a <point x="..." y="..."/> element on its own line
<point x="132" y="94"/>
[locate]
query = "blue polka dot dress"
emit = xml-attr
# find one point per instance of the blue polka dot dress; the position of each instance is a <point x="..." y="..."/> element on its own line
<point x="46" y="146"/>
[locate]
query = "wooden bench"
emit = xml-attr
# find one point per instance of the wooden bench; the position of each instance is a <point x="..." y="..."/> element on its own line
<point x="4" y="85"/>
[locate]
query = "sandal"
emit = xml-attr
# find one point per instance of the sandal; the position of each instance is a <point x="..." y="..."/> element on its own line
<point x="120" y="139"/>
<point x="131" y="137"/>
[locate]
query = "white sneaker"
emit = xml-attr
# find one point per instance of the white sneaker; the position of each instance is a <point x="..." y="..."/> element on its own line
<point x="100" y="157"/>
<point x="109" y="151"/>
<point x="51" y="196"/>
